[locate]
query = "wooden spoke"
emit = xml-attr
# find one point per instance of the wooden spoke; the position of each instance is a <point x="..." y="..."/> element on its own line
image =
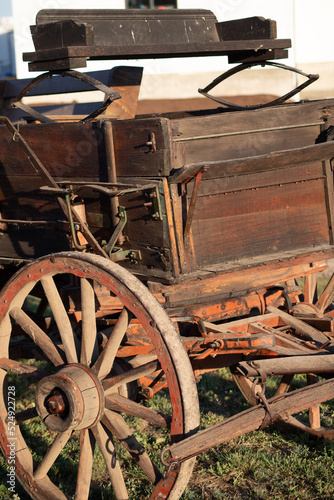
<point x="284" y="384"/>
<point x="327" y="295"/>
<point x="310" y="287"/>
<point x="104" y="440"/>
<point x="119" y="403"/>
<point x="52" y="454"/>
<point x="22" y="369"/>
<point x="293" y="284"/>
<point x="87" y="445"/>
<point x="89" y="347"/>
<point x="24" y="415"/>
<point x="37" y="335"/>
<point x="115" y="423"/>
<point x="106" y="359"/>
<point x="67" y="335"/>
<point x="109" y="385"/>
<point x="314" y="411"/>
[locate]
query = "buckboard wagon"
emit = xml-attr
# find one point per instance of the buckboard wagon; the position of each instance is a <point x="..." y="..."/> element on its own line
<point x="144" y="251"/>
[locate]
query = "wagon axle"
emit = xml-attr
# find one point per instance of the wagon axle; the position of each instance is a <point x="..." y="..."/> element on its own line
<point x="57" y="403"/>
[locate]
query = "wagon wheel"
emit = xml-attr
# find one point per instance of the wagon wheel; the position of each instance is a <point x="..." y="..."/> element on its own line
<point x="71" y="402"/>
<point x="312" y="305"/>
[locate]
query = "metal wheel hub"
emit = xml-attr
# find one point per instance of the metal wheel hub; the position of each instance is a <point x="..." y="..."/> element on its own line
<point x="70" y="399"/>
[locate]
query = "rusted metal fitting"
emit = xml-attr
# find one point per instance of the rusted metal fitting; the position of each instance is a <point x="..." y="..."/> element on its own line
<point x="169" y="463"/>
<point x="257" y="387"/>
<point x="56" y="404"/>
<point x="152" y="143"/>
<point x="147" y="392"/>
<point x="216" y="344"/>
<point x="262" y="373"/>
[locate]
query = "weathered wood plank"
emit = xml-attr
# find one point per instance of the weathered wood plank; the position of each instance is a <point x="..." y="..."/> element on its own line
<point x="240" y="277"/>
<point x="250" y="28"/>
<point x="248" y="223"/>
<point x="251" y="419"/>
<point x="137" y="27"/>
<point x="71" y="150"/>
<point x="256" y="180"/>
<point x="268" y="162"/>
<point x="243" y="134"/>
<point x="138" y="34"/>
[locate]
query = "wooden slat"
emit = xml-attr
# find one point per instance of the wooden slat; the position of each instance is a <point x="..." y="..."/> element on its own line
<point x="255" y="180"/>
<point x="251" y="28"/>
<point x="254" y="222"/>
<point x="48" y="58"/>
<point x="244" y="134"/>
<point x="258" y="163"/>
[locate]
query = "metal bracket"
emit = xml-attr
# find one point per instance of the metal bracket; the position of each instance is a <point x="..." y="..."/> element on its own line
<point x="118" y="229"/>
<point x="75" y="240"/>
<point x="310" y="79"/>
<point x="155" y="202"/>
<point x="111" y="94"/>
<point x="152" y="142"/>
<point x="119" y="255"/>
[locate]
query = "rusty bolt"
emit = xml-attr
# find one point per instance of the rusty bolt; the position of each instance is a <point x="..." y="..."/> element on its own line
<point x="147" y="392"/>
<point x="216" y="344"/>
<point x="55" y="404"/>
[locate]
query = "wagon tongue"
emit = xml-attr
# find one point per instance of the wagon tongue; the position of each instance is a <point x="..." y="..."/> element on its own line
<point x="258" y="417"/>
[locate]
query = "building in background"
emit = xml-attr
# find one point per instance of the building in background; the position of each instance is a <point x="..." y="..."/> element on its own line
<point x="309" y="25"/>
<point x="7" y="55"/>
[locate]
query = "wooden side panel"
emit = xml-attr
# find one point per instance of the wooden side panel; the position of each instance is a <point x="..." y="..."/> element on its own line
<point x="76" y="151"/>
<point x="236" y="220"/>
<point x="248" y="133"/>
<point x="67" y="150"/>
<point x="72" y="150"/>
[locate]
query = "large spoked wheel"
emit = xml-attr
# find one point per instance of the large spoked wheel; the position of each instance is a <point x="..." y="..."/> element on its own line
<point x="79" y="395"/>
<point x="315" y="308"/>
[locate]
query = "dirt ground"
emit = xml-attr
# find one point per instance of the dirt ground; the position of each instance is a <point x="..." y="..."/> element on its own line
<point x="164" y="106"/>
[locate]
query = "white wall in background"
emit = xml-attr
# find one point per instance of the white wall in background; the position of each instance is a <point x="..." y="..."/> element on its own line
<point x="7" y="60"/>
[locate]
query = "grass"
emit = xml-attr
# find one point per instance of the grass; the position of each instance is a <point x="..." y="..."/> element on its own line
<point x="259" y="465"/>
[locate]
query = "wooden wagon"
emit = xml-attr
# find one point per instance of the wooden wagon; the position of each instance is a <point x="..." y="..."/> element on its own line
<point x="143" y="251"/>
